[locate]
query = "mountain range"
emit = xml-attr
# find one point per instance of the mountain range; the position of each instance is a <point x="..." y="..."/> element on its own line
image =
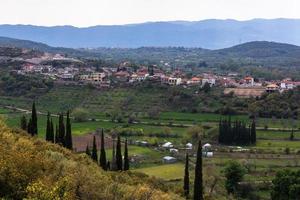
<point x="208" y="34"/>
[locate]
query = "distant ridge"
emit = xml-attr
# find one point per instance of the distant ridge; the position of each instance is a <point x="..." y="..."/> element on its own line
<point x="262" y="53"/>
<point x="208" y="34"/>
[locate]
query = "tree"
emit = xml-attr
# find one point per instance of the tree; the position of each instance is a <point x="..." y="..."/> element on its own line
<point x="87" y="150"/>
<point x="102" y="160"/>
<point x="234" y="173"/>
<point x="292" y="135"/>
<point x="23" y="123"/>
<point x="51" y="131"/>
<point x="48" y="128"/>
<point x="94" y="155"/>
<point x="253" y="133"/>
<point x="150" y="70"/>
<point x="56" y="135"/>
<point x="119" y="154"/>
<point x="206" y="87"/>
<point x="61" y="130"/>
<point x="126" y="159"/>
<point x="80" y="115"/>
<point x="113" y="164"/>
<point x="286" y="185"/>
<point x="186" y="180"/>
<point x="34" y="128"/>
<point x="68" y="138"/>
<point x="198" y="182"/>
<point x="29" y="126"/>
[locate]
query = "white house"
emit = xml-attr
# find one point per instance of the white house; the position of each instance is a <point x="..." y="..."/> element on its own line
<point x="210" y="80"/>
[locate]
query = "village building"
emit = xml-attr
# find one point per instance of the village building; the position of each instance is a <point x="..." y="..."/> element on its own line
<point x="248" y="81"/>
<point x="210" y="80"/>
<point x="122" y="76"/>
<point x="171" y="80"/>
<point x="272" y="88"/>
<point x="194" y="81"/>
<point x="288" y="84"/>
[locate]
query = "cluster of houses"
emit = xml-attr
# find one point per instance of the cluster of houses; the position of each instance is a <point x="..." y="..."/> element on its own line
<point x="126" y="74"/>
<point x="269" y="86"/>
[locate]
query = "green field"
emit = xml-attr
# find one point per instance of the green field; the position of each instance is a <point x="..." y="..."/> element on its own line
<point x="167" y="171"/>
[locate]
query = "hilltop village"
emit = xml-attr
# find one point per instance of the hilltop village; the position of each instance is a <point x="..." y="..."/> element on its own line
<point x="125" y="74"/>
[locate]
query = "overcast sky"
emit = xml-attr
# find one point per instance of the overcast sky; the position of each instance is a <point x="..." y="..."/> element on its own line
<point x="83" y="13"/>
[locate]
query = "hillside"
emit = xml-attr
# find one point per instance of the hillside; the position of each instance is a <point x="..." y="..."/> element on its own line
<point x="34" y="169"/>
<point x="210" y="34"/>
<point x="264" y="53"/>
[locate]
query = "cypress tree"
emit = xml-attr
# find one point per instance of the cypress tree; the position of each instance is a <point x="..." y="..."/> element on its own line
<point x="113" y="165"/>
<point x="51" y="131"/>
<point x="61" y="130"/>
<point x="102" y="160"/>
<point x="292" y="135"/>
<point x="56" y="135"/>
<point x="29" y="126"/>
<point x="48" y="129"/>
<point x="34" y="129"/>
<point x="119" y="154"/>
<point x="23" y="123"/>
<point x="186" y="180"/>
<point x="126" y="159"/>
<point x="198" y="185"/>
<point x="108" y="165"/>
<point x="94" y="150"/>
<point x="87" y="150"/>
<point x="68" y="138"/>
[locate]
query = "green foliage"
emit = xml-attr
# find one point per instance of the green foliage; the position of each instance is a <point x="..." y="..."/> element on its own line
<point x="61" y="130"/>
<point x="102" y="159"/>
<point x="34" y="127"/>
<point x="186" y="179"/>
<point x="80" y="115"/>
<point x="236" y="133"/>
<point x="198" y="182"/>
<point x="126" y="158"/>
<point x="234" y="173"/>
<point x="119" y="159"/>
<point x="279" y="105"/>
<point x="19" y="85"/>
<point x="94" y="154"/>
<point x="23" y="123"/>
<point x="286" y="185"/>
<point x="68" y="137"/>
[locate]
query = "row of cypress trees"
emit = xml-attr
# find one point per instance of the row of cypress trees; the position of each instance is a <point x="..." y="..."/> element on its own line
<point x="116" y="164"/>
<point x="198" y="181"/>
<point x="236" y="133"/>
<point x="31" y="126"/>
<point x="62" y="134"/>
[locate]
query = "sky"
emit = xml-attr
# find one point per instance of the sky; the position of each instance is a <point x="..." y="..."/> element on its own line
<point x="84" y="13"/>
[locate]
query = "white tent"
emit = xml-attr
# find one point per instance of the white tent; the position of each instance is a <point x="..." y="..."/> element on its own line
<point x="167" y="145"/>
<point x="169" y="159"/>
<point x="207" y="145"/>
<point x="189" y="145"/>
